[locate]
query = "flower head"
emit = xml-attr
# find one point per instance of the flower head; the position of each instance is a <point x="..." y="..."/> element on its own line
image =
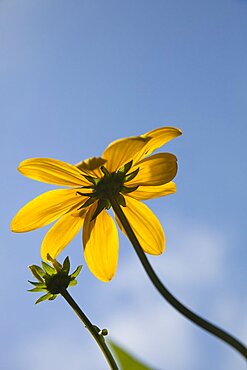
<point x="125" y="173"/>
<point x="53" y="280"/>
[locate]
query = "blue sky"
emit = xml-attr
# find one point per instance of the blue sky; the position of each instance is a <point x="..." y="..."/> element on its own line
<point x="76" y="75"/>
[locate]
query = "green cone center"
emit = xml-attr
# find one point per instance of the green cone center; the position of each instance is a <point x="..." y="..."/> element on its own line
<point x="109" y="186"/>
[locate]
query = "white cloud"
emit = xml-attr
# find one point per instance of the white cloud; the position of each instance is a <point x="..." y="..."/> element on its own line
<point x="157" y="335"/>
<point x="195" y="253"/>
<point x="59" y="349"/>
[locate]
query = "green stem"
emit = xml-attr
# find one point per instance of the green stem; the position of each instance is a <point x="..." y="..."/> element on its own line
<point x="235" y="343"/>
<point x="92" y="329"/>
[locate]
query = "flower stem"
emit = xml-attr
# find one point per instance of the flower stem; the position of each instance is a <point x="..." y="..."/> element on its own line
<point x="235" y="343"/>
<point x="92" y="329"/>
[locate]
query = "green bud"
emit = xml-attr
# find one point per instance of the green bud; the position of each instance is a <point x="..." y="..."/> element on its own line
<point x="53" y="279"/>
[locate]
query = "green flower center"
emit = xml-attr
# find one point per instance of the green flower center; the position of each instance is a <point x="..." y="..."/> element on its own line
<point x="111" y="185"/>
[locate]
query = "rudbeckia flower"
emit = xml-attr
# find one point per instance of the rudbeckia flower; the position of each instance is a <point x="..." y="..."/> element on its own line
<point x="126" y="173"/>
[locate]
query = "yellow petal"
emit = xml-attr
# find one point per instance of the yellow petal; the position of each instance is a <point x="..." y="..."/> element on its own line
<point x="52" y="171"/>
<point x="145" y="225"/>
<point x="45" y="209"/>
<point x="92" y="166"/>
<point x="155" y="170"/>
<point x="159" y="137"/>
<point x="148" y="192"/>
<point x="59" y="236"/>
<point x="122" y="151"/>
<point x="100" y="240"/>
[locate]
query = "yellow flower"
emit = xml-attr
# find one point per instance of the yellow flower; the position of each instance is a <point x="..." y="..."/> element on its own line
<point x="126" y="173"/>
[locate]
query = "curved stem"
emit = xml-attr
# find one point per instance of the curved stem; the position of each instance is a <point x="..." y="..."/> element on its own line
<point x="235" y="343"/>
<point x="93" y="331"/>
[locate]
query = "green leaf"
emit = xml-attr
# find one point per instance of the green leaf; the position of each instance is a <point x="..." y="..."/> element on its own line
<point x="93" y="180"/>
<point x="37" y="272"/>
<point x="35" y="283"/>
<point x="101" y="205"/>
<point x="121" y="200"/>
<point x="48" y="269"/>
<point x="88" y="202"/>
<point x="126" y="190"/>
<point x="72" y="283"/>
<point x="37" y="289"/>
<point x="104" y="170"/>
<point x="44" y="298"/>
<point x="66" y="265"/>
<point x="131" y="175"/>
<point x="125" y="168"/>
<point x="76" y="272"/>
<point x="126" y="360"/>
<point x="54" y="296"/>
